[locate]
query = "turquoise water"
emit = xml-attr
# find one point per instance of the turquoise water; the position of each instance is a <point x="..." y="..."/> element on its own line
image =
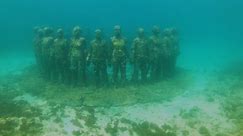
<point x="208" y="86"/>
<point x="204" y="26"/>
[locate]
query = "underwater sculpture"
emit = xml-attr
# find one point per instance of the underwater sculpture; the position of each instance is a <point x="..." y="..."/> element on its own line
<point x="99" y="56"/>
<point x="77" y="57"/>
<point x="119" y="55"/>
<point x="47" y="58"/>
<point x="140" y="56"/>
<point x="170" y="51"/>
<point x="66" y="61"/>
<point x="39" y="34"/>
<point x="155" y="53"/>
<point x="60" y="52"/>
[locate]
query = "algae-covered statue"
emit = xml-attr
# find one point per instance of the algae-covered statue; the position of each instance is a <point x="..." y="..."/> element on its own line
<point x="175" y="48"/>
<point x="60" y="48"/>
<point x="39" y="34"/>
<point x="99" y="57"/>
<point x="155" y="53"/>
<point x="170" y="51"/>
<point x="63" y="60"/>
<point x="78" y="55"/>
<point x="139" y="56"/>
<point x="47" y="57"/>
<point x="119" y="55"/>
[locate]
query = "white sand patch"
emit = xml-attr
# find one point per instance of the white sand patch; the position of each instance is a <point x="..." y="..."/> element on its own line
<point x="64" y="126"/>
<point x="201" y="113"/>
<point x="32" y="100"/>
<point x="189" y="112"/>
<point x="50" y="126"/>
<point x="69" y="127"/>
<point x="208" y="114"/>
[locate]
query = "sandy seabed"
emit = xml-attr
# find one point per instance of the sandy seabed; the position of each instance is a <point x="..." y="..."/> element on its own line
<point x="192" y="103"/>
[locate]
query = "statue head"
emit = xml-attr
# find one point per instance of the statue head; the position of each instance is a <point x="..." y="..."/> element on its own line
<point x="117" y="30"/>
<point x="98" y="34"/>
<point x="156" y="30"/>
<point x="48" y="31"/>
<point x="60" y="33"/>
<point x="76" y="31"/>
<point x="140" y="32"/>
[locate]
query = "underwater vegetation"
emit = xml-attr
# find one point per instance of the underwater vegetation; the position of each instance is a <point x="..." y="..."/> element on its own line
<point x="20" y="117"/>
<point x="55" y="93"/>
<point x="141" y="129"/>
<point x="85" y="110"/>
<point x="204" y="131"/>
<point x="232" y="94"/>
<point x="234" y="106"/>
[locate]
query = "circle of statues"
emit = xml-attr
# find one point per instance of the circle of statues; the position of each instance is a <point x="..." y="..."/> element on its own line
<point x="76" y="61"/>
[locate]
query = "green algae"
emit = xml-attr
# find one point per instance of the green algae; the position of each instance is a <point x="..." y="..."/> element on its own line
<point x="90" y="121"/>
<point x="204" y="131"/>
<point x="189" y="114"/>
<point x="18" y="117"/>
<point x="58" y="96"/>
<point x="104" y="97"/>
<point x="77" y="123"/>
<point x="89" y="117"/>
<point x="112" y="128"/>
<point x="77" y="133"/>
<point x="210" y="98"/>
<point x="141" y="129"/>
<point x="230" y="89"/>
<point x="233" y="106"/>
<point x="8" y="124"/>
<point x="185" y="133"/>
<point x="220" y="134"/>
<point x="150" y="129"/>
<point x="31" y="126"/>
<point x="17" y="126"/>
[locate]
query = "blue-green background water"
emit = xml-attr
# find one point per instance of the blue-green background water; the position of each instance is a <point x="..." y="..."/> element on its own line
<point x="210" y="30"/>
<point x="201" y="99"/>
